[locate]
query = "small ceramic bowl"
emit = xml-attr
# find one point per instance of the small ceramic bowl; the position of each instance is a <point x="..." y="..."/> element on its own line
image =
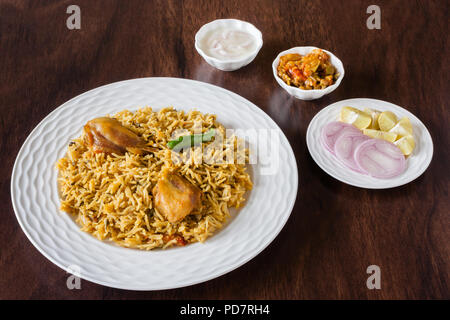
<point x="232" y="64"/>
<point x="308" y="94"/>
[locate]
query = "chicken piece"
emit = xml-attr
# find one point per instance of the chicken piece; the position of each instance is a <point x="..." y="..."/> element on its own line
<point x="108" y="135"/>
<point x="175" y="197"/>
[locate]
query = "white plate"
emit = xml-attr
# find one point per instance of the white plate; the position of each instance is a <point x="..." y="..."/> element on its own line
<point x="416" y="163"/>
<point x="36" y="203"/>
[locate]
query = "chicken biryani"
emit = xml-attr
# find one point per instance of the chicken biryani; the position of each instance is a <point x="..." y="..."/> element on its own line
<point x="149" y="179"/>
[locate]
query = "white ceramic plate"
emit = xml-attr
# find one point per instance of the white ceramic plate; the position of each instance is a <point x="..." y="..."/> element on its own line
<point x="36" y="203"/>
<point x="416" y="163"/>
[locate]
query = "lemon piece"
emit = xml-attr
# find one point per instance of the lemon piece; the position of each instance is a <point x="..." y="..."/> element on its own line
<point x="377" y="134"/>
<point x="406" y="144"/>
<point x="374" y="114"/>
<point x="387" y="120"/>
<point x="403" y="128"/>
<point x="355" y="117"/>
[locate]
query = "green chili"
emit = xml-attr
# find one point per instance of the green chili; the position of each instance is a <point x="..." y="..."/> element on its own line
<point x="191" y="140"/>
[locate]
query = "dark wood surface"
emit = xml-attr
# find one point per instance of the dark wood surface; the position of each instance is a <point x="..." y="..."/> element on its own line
<point x="335" y="231"/>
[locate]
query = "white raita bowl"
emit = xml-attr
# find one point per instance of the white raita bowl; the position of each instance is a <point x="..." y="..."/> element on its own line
<point x="231" y="64"/>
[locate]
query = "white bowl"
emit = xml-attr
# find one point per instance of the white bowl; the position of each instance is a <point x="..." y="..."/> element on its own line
<point x="232" y="64"/>
<point x="308" y="94"/>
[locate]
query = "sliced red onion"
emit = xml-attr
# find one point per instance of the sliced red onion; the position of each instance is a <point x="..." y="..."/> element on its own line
<point x="332" y="131"/>
<point x="380" y="159"/>
<point x="345" y="147"/>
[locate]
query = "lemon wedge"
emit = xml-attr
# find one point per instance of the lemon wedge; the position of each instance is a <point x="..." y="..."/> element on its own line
<point x="406" y="144"/>
<point x="355" y="117"/>
<point x="374" y="114"/>
<point x="377" y="134"/>
<point x="387" y="120"/>
<point x="403" y="128"/>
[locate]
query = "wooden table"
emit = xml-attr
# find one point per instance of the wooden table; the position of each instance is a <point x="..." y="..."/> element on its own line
<point x="335" y="231"/>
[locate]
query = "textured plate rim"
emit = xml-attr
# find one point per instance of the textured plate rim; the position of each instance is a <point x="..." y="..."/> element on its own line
<point x="411" y="178"/>
<point x="226" y="270"/>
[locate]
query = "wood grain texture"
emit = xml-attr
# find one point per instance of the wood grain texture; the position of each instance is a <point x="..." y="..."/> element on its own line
<point x="335" y="231"/>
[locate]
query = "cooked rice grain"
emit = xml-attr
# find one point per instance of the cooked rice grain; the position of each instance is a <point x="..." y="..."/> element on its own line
<point x="110" y="195"/>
